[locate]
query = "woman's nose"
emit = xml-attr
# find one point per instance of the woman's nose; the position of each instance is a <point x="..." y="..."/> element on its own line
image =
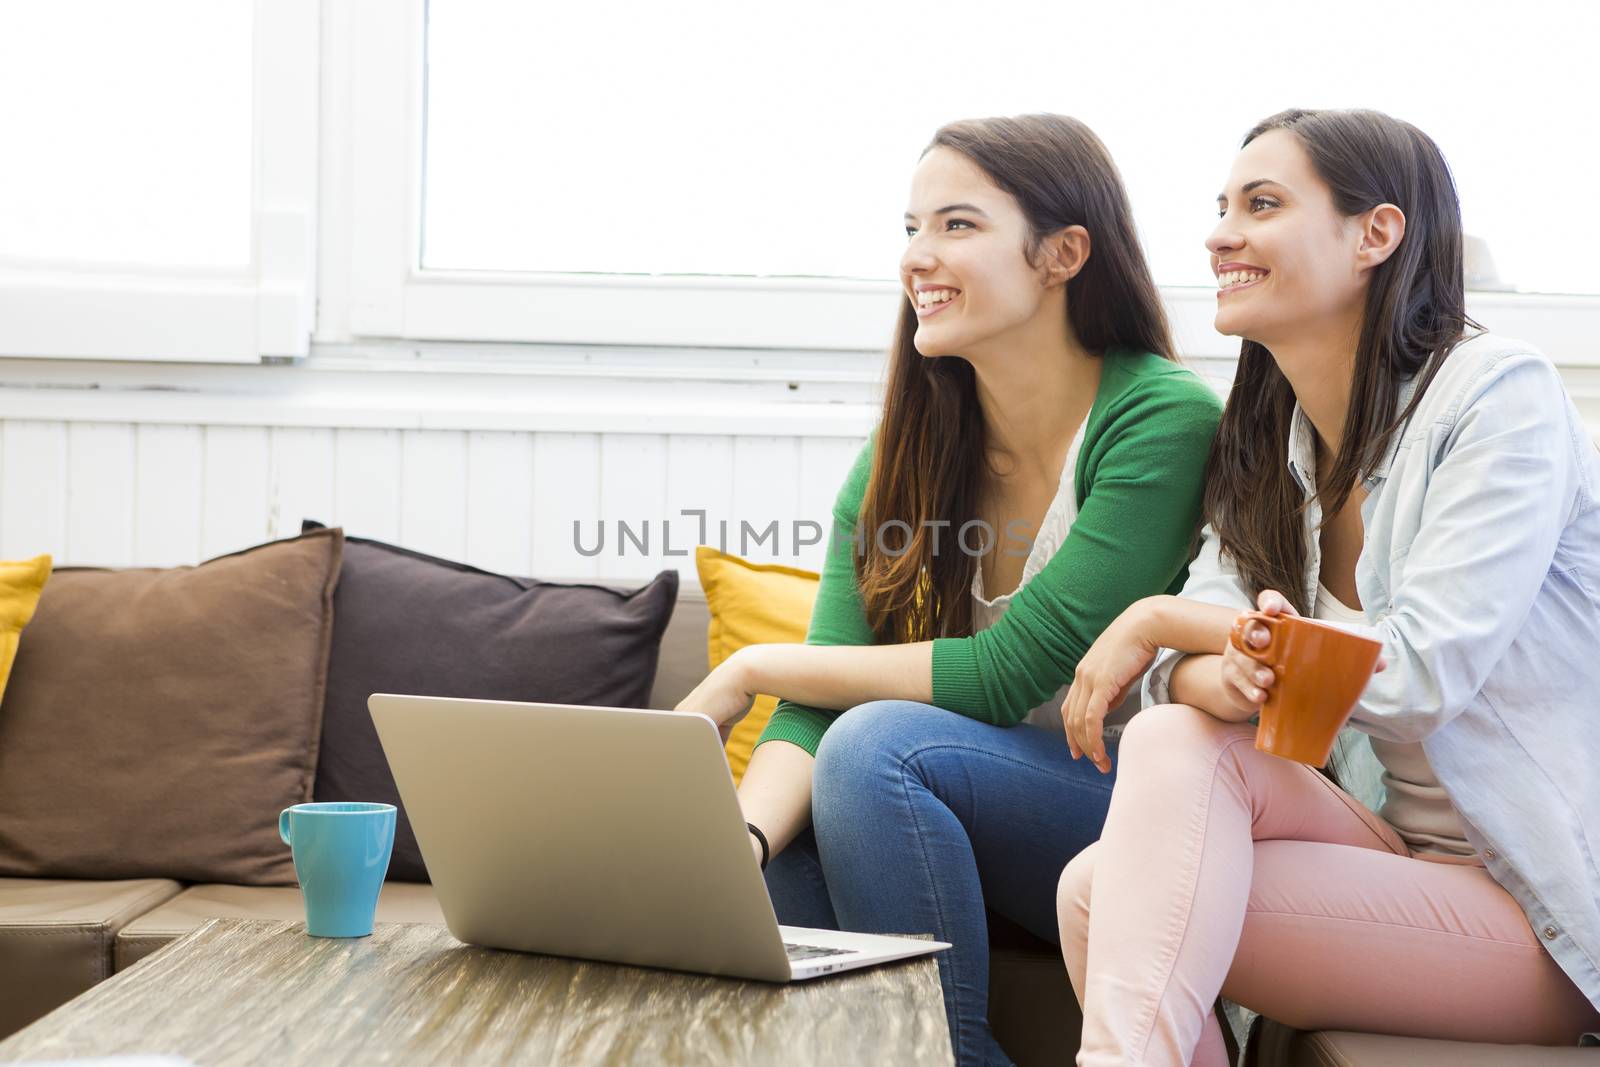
<point x="915" y="259"/>
<point x="1224" y="238"/>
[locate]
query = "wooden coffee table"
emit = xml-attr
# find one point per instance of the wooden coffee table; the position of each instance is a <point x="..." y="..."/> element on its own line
<point x="250" y="992"/>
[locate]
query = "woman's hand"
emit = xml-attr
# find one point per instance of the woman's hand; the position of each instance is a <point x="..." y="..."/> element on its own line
<point x="725" y="695"/>
<point x="1245" y="679"/>
<point x="1104" y="676"/>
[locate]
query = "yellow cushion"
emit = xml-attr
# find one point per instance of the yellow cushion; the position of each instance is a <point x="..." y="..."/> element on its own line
<point x="20" y="584"/>
<point x="752" y="604"/>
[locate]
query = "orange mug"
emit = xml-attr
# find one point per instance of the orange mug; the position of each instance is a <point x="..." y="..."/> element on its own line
<point x="1321" y="673"/>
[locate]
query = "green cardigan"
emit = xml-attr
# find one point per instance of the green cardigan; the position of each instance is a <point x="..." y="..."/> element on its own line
<point x="1139" y="479"/>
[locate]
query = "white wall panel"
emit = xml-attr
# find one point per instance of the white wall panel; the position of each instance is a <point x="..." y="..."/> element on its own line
<point x="302" y="477"/>
<point x="100" y="493"/>
<point x="157" y="494"/>
<point x="168" y="483"/>
<point x="699" y="478"/>
<point x="500" y="499"/>
<point x="366" y="483"/>
<point x="33" y="490"/>
<point x="824" y="463"/>
<point x="765" y="491"/>
<point x="633" y="491"/>
<point x="235" y="503"/>
<point x="433" y="492"/>
<point x="566" y="487"/>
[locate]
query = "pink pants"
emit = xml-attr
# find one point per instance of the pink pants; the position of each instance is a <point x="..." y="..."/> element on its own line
<point x="1222" y="868"/>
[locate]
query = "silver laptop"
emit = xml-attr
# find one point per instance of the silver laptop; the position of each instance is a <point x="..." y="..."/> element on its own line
<point x="603" y="833"/>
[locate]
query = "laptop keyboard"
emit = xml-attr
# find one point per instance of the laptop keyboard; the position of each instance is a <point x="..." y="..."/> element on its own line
<point x="811" y="952"/>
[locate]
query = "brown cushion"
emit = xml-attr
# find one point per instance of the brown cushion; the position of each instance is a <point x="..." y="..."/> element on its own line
<point x="406" y="622"/>
<point x="55" y="939"/>
<point x="158" y="720"/>
<point x="683" y="664"/>
<point x="399" y="902"/>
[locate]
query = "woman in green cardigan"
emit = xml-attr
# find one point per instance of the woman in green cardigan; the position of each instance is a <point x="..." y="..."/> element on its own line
<point x="1037" y="468"/>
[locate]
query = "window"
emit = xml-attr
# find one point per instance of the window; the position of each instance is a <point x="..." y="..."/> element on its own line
<point x="160" y="179"/>
<point x="777" y="139"/>
<point x="713" y="174"/>
<point x="135" y="163"/>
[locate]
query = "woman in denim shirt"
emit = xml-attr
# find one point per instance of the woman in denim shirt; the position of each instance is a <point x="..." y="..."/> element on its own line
<point x="1386" y="466"/>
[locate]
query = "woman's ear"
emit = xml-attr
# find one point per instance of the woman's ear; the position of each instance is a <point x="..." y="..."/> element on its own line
<point x="1066" y="251"/>
<point x="1382" y="229"/>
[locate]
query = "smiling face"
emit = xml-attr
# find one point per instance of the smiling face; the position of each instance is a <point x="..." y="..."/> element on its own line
<point x="1287" y="262"/>
<point x="964" y="269"/>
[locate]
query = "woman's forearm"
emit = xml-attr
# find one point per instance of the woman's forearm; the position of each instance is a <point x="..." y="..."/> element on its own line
<point x="775" y="792"/>
<point x="1186" y="625"/>
<point x="1197" y="681"/>
<point x="1201" y="631"/>
<point x="837" y="677"/>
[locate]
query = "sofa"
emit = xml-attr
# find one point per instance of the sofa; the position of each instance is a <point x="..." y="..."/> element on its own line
<point x="58" y="937"/>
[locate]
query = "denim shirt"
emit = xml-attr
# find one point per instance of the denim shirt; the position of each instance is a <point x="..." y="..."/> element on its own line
<point x="1480" y="573"/>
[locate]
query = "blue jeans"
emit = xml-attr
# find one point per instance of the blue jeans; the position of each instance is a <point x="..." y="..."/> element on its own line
<point x="920" y="818"/>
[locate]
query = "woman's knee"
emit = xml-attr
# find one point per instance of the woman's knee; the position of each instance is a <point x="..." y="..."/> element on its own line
<point x="798" y="887"/>
<point x="876" y="730"/>
<point x="869" y="746"/>
<point x="1072" y="916"/>
<point x="1170" y="731"/>
<point x="1072" y="892"/>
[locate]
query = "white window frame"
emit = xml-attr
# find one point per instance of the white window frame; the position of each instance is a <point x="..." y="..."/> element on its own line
<point x="375" y="289"/>
<point x="232" y="315"/>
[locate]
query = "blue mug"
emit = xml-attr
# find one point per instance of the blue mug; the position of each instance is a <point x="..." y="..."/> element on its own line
<point x="341" y="855"/>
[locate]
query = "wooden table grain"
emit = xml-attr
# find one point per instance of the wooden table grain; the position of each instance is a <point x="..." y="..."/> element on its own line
<point x="252" y="992"/>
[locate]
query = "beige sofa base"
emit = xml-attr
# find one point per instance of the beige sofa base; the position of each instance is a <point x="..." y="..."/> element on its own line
<point x="56" y="938"/>
<point x="1275" y="1045"/>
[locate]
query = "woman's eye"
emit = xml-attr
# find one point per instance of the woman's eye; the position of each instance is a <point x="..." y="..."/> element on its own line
<point x="1261" y="203"/>
<point x="911" y="231"/>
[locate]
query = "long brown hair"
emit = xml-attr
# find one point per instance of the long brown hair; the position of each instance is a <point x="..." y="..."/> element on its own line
<point x="1415" y="314"/>
<point x="930" y="459"/>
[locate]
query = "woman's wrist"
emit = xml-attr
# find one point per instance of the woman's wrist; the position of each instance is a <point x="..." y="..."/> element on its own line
<point x="746" y="665"/>
<point x="1189" y="626"/>
<point x="1152" y="619"/>
<point x="759" y="840"/>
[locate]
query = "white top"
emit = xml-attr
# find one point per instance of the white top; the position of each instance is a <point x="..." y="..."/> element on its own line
<point x="1414" y="803"/>
<point x="1053" y="529"/>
